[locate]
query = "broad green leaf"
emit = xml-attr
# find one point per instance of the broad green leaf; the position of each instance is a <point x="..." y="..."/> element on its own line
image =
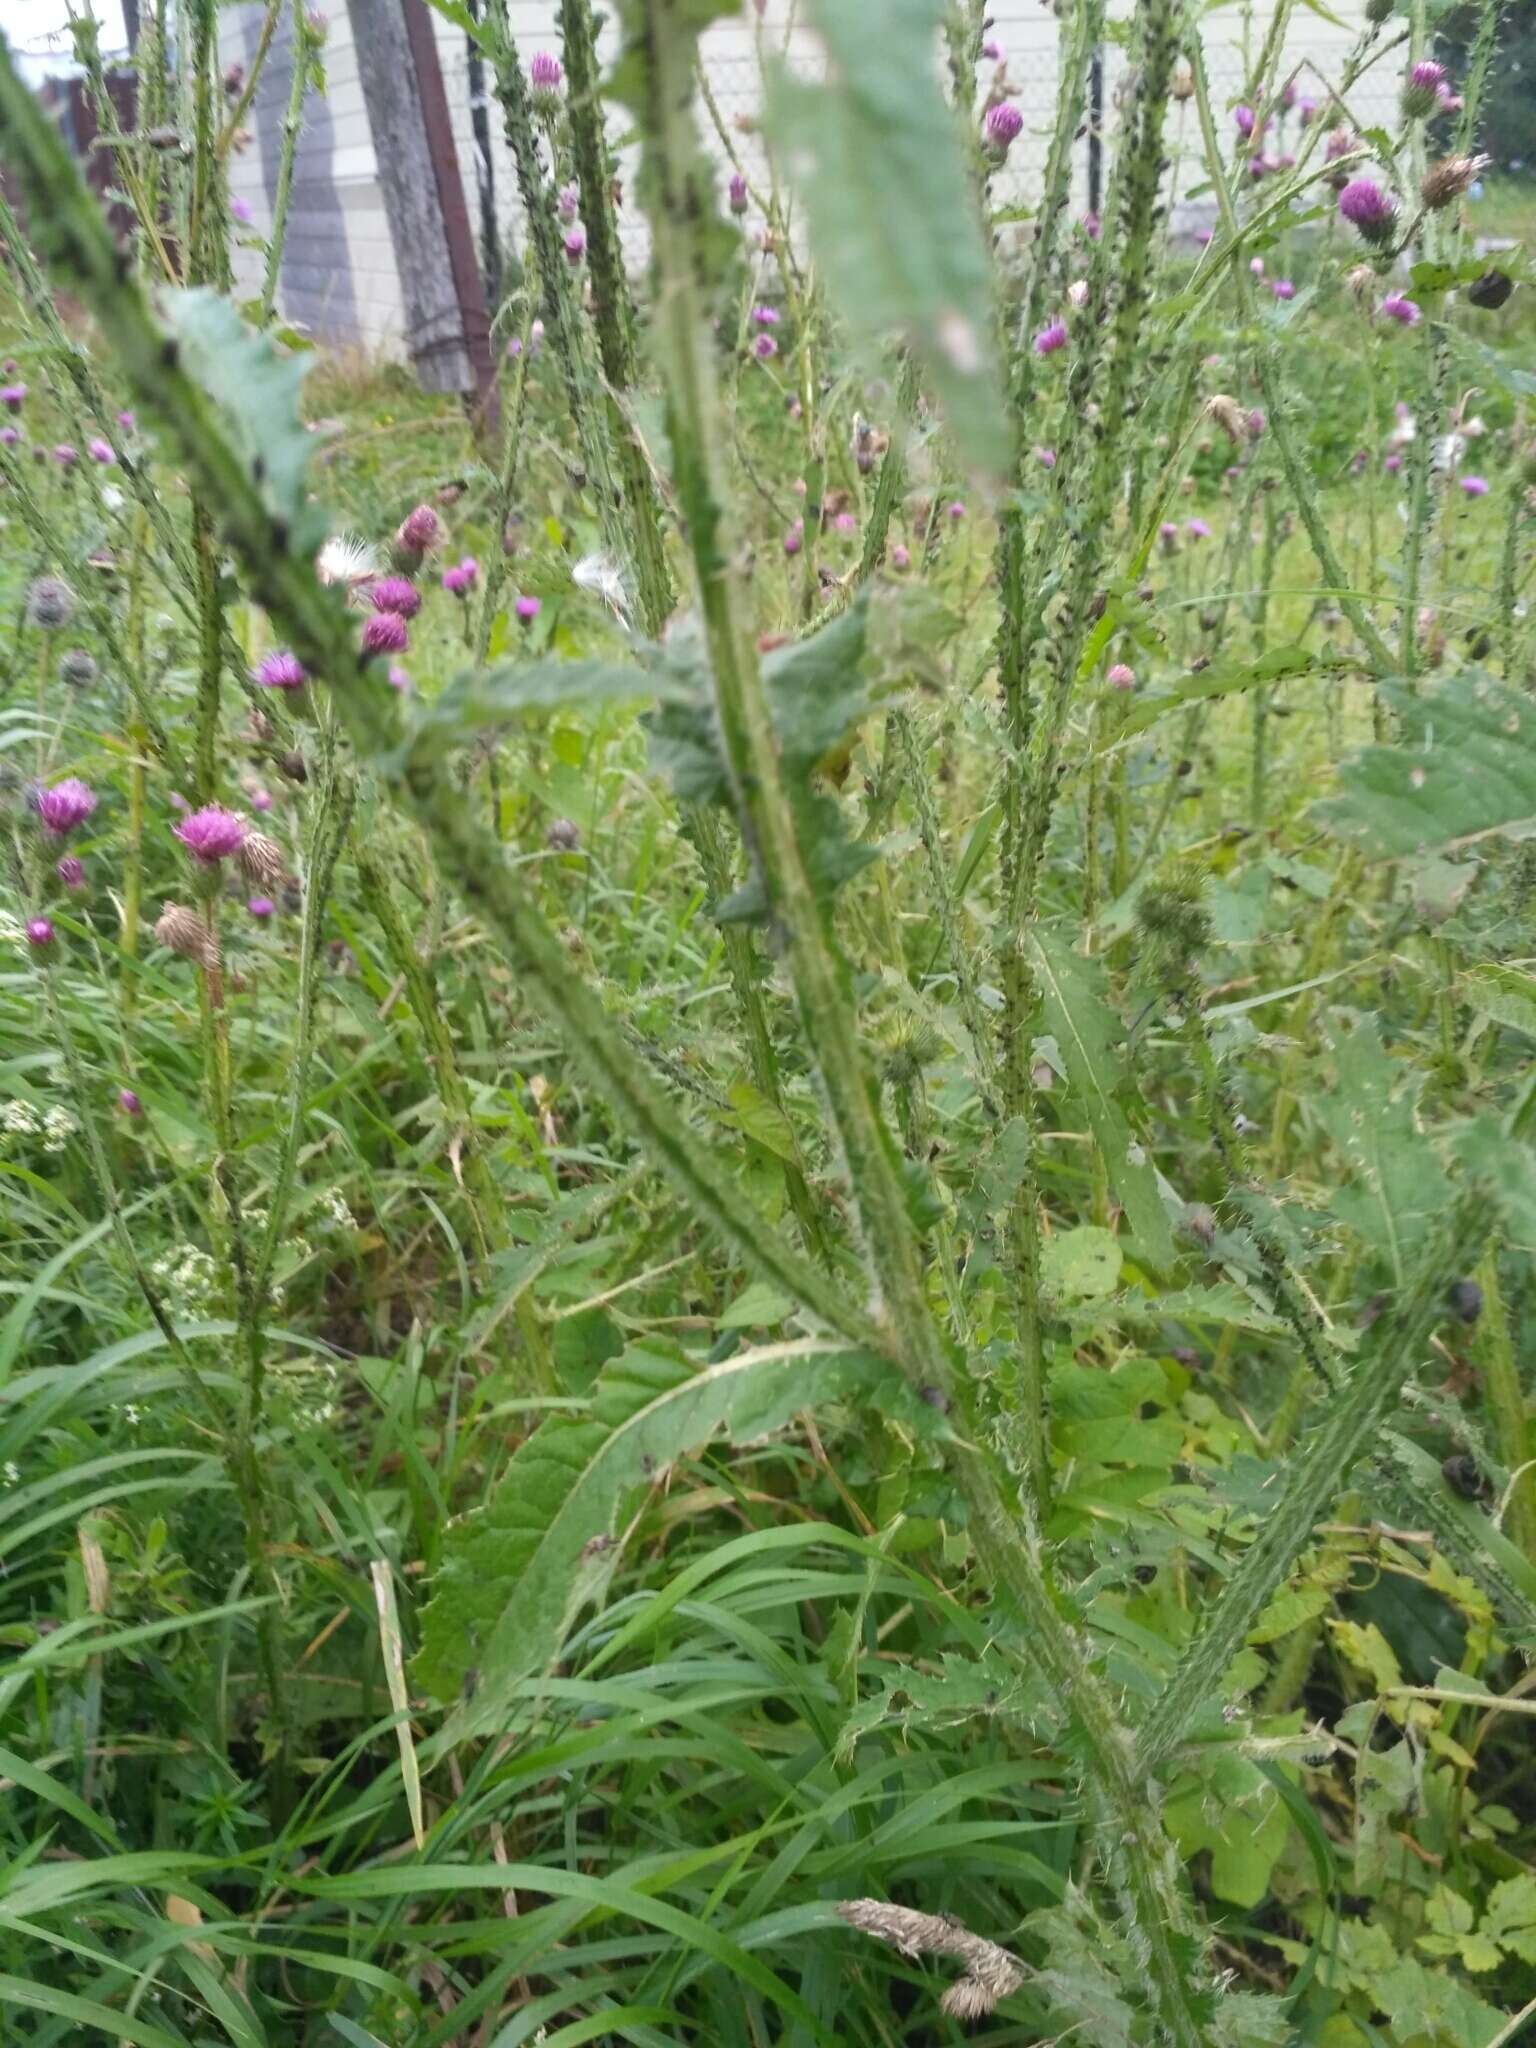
<point x="1081" y="1264"/>
<point x="1505" y="993"/>
<point x="878" y="157"/>
<point x="1465" y="767"/>
<point x="1085" y="1029"/>
<point x="762" y="1120"/>
<point x="256" y="388"/>
<point x="1397" y="1188"/>
<point x="1245" y="1839"/>
<point x="758" y="1305"/>
<point x="518" y="1569"/>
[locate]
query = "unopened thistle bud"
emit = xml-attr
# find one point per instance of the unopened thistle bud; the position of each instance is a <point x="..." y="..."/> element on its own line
<point x="1421" y="89"/>
<point x="50" y="604"/>
<point x="738" y="193"/>
<point x="1449" y="179"/>
<point x="182" y="931"/>
<point x="77" y="668"/>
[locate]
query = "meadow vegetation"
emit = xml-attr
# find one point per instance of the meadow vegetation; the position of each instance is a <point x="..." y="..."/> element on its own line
<point x="766" y="1261"/>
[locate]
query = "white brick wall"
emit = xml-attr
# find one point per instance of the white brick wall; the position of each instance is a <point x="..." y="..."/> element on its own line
<point x="340" y="275"/>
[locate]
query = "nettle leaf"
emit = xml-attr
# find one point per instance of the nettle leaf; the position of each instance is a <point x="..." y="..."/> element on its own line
<point x="1466" y="767"/>
<point x="878" y="158"/>
<point x="1085" y="1028"/>
<point x="516" y="1571"/>
<point x="1398" y="1189"/>
<point x="256" y="388"/>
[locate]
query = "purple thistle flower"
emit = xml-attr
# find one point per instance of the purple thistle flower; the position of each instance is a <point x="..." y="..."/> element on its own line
<point x="1046" y="457"/>
<point x="1168" y="535"/>
<point x="399" y="680"/>
<point x="738" y="193"/>
<point x="71" y="871"/>
<point x="1092" y="226"/>
<point x="527" y="608"/>
<point x="127" y="422"/>
<point x="281" y="670"/>
<point x="420" y="531"/>
<point x="12" y="395"/>
<point x="10" y="435"/>
<point x="792" y="540"/>
<point x="545" y="72"/>
<point x="129" y="1103"/>
<point x="240" y="209"/>
<point x="1475" y="486"/>
<point x="1340" y="143"/>
<point x="900" y="559"/>
<point x="764" y="347"/>
<point x="992" y="50"/>
<point x="568" y="202"/>
<point x="1120" y="677"/>
<point x="101" y="451"/>
<point x="956" y="512"/>
<point x="1245" y="120"/>
<point x="65" y="456"/>
<point x="261" y="908"/>
<point x="68" y="804"/>
<point x="1429" y="73"/>
<point x="1255" y="424"/>
<point x="1002" y="128"/>
<point x="1197" y="529"/>
<point x="384" y="633"/>
<point x="1282" y="288"/>
<point x="765" y="316"/>
<point x="1051" y="338"/>
<point x="575" y="246"/>
<point x="1366" y="207"/>
<point x="1397" y="307"/>
<point x="261" y="799"/>
<point x="461" y="578"/>
<point x="395" y="594"/>
<point x="1393" y="464"/>
<point x="1305" y="110"/>
<point x="40" y="934"/>
<point x="211" y="834"/>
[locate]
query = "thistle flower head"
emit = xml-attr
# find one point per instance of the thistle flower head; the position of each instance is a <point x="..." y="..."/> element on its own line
<point x="1340" y="143"/>
<point x="1305" y="110"/>
<point x="738" y="193"/>
<point x="77" y="668"/>
<point x="420" y="531"/>
<point x="211" y="834"/>
<point x="395" y="594"/>
<point x="1397" y="307"/>
<point x="1001" y="128"/>
<point x="281" y="670"/>
<point x="1369" y="209"/>
<point x="1244" y="120"/>
<point x="1197" y="529"/>
<point x="1051" y="338"/>
<point x="992" y="50"/>
<point x="13" y="396"/>
<point x="1228" y="415"/>
<point x="1450" y="178"/>
<point x="64" y="807"/>
<point x="575" y="246"/>
<point x="129" y="1103"/>
<point x="261" y="908"/>
<point x="764" y="347"/>
<point x="182" y="931"/>
<point x="40" y="934"/>
<point x="66" y="455"/>
<point x="346" y="560"/>
<point x="260" y="860"/>
<point x="1121" y="677"/>
<point x="899" y="557"/>
<point x="793" y="540"/>
<point x="1282" y="288"/>
<point x="568" y="201"/>
<point x="1422" y="88"/>
<point x="1475" y="486"/>
<point x="50" y="604"/>
<point x="71" y="871"/>
<point x="527" y="608"/>
<point x="384" y="633"/>
<point x="461" y="578"/>
<point x="544" y="73"/>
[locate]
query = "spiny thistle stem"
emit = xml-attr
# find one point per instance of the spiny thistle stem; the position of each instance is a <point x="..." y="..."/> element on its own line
<point x="1354" y="1418"/>
<point x="293" y="122"/>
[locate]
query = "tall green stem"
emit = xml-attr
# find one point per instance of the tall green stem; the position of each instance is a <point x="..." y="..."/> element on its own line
<point x="293" y="122"/>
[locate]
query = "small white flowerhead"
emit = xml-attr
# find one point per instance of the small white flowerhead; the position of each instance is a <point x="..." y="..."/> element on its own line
<point x="346" y="560"/>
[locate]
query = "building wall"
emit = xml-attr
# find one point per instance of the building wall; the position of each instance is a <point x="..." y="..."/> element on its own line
<point x="339" y="272"/>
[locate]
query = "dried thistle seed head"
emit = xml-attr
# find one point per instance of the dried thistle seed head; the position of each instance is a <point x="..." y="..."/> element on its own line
<point x="1229" y="416"/>
<point x="294" y="767"/>
<point x="260" y="860"/>
<point x="77" y="668"/>
<point x="1450" y="178"/>
<point x="1183" y="87"/>
<point x="183" y="931"/>
<point x="1491" y="290"/>
<point x="50" y="604"/>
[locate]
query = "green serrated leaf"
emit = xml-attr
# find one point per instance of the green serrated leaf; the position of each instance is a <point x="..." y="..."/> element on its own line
<point x="1081" y="1264"/>
<point x="1466" y="767"/>
<point x="1504" y="993"/>
<point x="516" y="1571"/>
<point x="1397" y="1187"/>
<point x="1223" y="679"/>
<point x="875" y="151"/>
<point x="256" y="387"/>
<point x="1085" y="1028"/>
